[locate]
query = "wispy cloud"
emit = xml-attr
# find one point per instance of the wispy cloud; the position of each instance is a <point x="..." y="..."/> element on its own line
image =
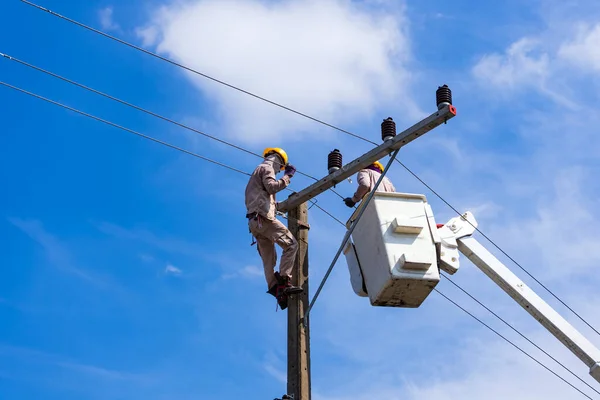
<point x="100" y="372"/>
<point x="275" y="367"/>
<point x="172" y="270"/>
<point x="247" y="272"/>
<point x="522" y="65"/>
<point x="107" y="20"/>
<point x="146" y="257"/>
<point x="57" y="253"/>
<point x="33" y="356"/>
<point x="165" y="243"/>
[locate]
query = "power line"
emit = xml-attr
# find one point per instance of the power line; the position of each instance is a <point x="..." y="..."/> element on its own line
<point x="183" y="66"/>
<point x="520" y="334"/>
<point x="116" y="99"/>
<point x="305" y="116"/>
<point x="104" y="121"/>
<point x="235" y="170"/>
<point x="122" y="127"/>
<point x="514" y="345"/>
<point x="499" y="248"/>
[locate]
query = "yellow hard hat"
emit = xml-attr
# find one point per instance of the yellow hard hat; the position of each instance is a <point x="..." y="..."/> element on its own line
<point x="280" y="152"/>
<point x="378" y="165"/>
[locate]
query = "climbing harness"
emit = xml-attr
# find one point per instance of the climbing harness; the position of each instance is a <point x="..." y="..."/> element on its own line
<point x="253" y="216"/>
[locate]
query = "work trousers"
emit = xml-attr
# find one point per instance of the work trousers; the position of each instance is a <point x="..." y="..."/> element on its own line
<point x="267" y="233"/>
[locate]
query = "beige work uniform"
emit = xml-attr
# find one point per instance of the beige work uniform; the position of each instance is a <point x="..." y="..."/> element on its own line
<point x="260" y="199"/>
<point x="367" y="178"/>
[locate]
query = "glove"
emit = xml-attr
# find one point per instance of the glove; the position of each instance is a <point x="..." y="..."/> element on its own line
<point x="290" y="170"/>
<point x="348" y="201"/>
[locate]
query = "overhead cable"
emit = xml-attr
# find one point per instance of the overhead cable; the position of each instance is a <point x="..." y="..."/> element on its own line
<point x="518" y="332"/>
<point x="501" y="250"/>
<point x="104" y="121"/>
<point x="514" y="345"/>
<point x="114" y="38"/>
<point x="121" y="127"/>
<point x="116" y="99"/>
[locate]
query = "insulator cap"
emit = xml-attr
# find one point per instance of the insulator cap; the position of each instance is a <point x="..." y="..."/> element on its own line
<point x="388" y="129"/>
<point x="443" y="96"/>
<point x="334" y="161"/>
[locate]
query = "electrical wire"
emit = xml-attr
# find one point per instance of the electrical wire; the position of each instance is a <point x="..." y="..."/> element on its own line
<point x="512" y="344"/>
<point x="116" y="99"/>
<point x="104" y="121"/>
<point x="121" y="127"/>
<point x="114" y="38"/>
<point x="150" y="53"/>
<point x="247" y="174"/>
<point x="500" y="249"/>
<point x="518" y="332"/>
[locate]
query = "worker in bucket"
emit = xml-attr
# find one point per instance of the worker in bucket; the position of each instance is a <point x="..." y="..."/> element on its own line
<point x="266" y="228"/>
<point x="367" y="178"/>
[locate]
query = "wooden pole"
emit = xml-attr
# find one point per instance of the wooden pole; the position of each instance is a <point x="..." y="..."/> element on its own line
<point x="298" y="332"/>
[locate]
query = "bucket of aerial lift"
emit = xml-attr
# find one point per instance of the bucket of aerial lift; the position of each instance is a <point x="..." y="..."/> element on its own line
<point x="356" y="276"/>
<point x="392" y="255"/>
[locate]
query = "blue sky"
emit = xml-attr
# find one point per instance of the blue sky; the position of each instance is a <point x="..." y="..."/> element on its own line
<point x="127" y="269"/>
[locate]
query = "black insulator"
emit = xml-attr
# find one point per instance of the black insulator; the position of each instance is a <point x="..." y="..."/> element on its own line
<point x="443" y="96"/>
<point x="388" y="129"/>
<point x="334" y="161"/>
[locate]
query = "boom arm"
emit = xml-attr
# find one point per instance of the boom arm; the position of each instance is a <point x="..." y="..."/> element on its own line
<point x="463" y="227"/>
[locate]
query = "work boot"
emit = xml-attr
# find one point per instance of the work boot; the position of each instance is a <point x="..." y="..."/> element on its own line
<point x="282" y="301"/>
<point x="285" y="286"/>
<point x="273" y="291"/>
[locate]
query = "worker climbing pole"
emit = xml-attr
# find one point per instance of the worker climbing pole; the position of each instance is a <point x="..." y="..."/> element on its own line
<point x="266" y="228"/>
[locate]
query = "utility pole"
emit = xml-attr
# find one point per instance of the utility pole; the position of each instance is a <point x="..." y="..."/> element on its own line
<point x="298" y="332"/>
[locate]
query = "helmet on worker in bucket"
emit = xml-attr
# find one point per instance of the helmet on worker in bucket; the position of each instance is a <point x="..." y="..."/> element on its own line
<point x="378" y="165"/>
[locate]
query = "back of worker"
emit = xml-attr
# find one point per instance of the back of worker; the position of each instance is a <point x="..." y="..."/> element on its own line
<point x="367" y="179"/>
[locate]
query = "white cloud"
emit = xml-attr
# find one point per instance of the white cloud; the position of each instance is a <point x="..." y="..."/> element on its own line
<point x="106" y="19"/>
<point x="498" y="371"/>
<point x="172" y="270"/>
<point x="522" y="64"/>
<point x="149" y="35"/>
<point x="562" y="233"/>
<point x="248" y="272"/>
<point x="584" y="49"/>
<point x="548" y="63"/>
<point x="333" y="59"/>
<point x="251" y="270"/>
